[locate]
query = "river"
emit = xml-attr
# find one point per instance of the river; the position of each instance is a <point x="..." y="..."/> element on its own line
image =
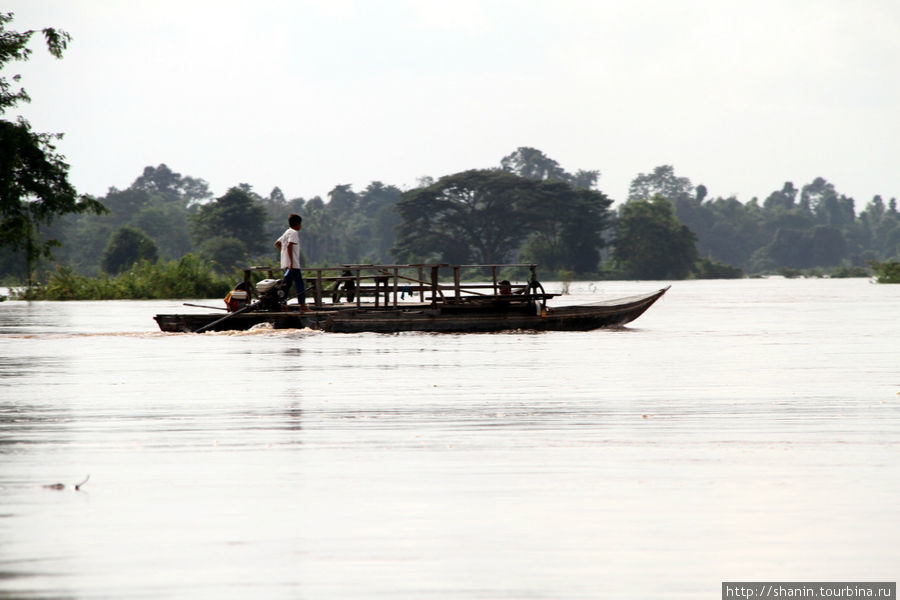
<point x="744" y="430"/>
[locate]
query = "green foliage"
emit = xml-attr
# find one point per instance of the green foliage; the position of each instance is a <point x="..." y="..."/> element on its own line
<point x="168" y="227"/>
<point x="847" y="271"/>
<point x="14" y="47"/>
<point x="237" y="216"/>
<point x="529" y="209"/>
<point x="225" y="254"/>
<point x="531" y="163"/>
<point x="661" y="182"/>
<point x="34" y="178"/>
<point x="814" y="226"/>
<point x="705" y="268"/>
<point x="470" y="217"/>
<point x="887" y="271"/>
<point x="183" y="279"/>
<point x="651" y="243"/>
<point x="803" y="249"/>
<point x="789" y="273"/>
<point x="172" y="186"/>
<point x="126" y="247"/>
<point x="486" y="216"/>
<point x="568" y="228"/>
<point x="827" y="206"/>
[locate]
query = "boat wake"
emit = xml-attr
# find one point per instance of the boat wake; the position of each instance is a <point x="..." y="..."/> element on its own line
<point x="76" y="335"/>
<point x="260" y="329"/>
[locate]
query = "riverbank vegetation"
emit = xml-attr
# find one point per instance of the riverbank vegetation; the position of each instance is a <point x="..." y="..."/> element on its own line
<point x="147" y="240"/>
<point x="188" y="277"/>
<point x="667" y="229"/>
<point x="887" y="271"/>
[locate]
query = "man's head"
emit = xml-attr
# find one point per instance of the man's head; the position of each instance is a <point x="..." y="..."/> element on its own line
<point x="294" y="221"/>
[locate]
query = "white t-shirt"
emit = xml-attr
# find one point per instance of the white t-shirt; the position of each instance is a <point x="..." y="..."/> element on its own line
<point x="288" y="237"/>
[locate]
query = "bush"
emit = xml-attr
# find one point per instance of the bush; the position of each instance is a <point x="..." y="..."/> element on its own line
<point x="188" y="277"/>
<point x="789" y="273"/>
<point x="886" y="272"/>
<point x="849" y="271"/>
<point x="711" y="269"/>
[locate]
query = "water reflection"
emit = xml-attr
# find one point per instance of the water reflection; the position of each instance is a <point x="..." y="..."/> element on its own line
<point x="16" y="367"/>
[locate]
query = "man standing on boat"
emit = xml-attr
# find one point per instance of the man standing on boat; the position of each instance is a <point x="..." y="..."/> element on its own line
<point x="289" y="246"/>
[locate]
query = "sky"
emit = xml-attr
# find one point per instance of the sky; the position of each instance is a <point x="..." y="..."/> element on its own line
<point x="306" y="95"/>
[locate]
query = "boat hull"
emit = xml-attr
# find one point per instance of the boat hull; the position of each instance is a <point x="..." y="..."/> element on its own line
<point x="426" y="318"/>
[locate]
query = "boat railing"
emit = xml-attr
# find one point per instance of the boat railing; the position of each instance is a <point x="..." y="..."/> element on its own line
<point x="431" y="283"/>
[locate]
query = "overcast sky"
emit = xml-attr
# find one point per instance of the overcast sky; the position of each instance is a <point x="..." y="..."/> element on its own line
<point x="306" y="95"/>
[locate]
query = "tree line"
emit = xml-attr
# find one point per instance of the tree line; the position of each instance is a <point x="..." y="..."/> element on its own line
<point x="527" y="209"/>
<point x="813" y="226"/>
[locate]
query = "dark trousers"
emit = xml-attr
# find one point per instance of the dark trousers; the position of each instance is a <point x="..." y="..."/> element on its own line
<point x="295" y="276"/>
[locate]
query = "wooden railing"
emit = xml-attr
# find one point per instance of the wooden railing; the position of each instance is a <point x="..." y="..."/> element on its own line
<point x="388" y="283"/>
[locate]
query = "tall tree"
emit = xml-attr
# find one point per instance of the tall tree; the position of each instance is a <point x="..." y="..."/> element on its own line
<point x="661" y="182"/>
<point x="378" y="203"/>
<point x="568" y="228"/>
<point x="126" y="247"/>
<point x="486" y="216"/>
<point x="342" y="199"/>
<point x="34" y="177"/>
<point x="821" y="246"/>
<point x="172" y="186"/>
<point x="729" y="230"/>
<point x="651" y="243"/>
<point x="474" y="216"/>
<point x="531" y="163"/>
<point x="828" y="207"/>
<point x="235" y="216"/>
<point x="782" y="199"/>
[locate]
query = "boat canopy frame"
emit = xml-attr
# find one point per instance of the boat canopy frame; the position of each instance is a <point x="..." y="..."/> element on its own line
<point x="394" y="281"/>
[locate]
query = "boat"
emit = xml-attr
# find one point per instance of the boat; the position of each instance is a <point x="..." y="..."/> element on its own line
<point x="396" y="298"/>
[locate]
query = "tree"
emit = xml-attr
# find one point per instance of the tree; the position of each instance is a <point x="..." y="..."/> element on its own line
<point x="821" y="246"/>
<point x="319" y="241"/>
<point x="828" y="208"/>
<point x="342" y="199"/>
<point x="569" y="225"/>
<point x="235" y="215"/>
<point x="661" y="182"/>
<point x="172" y="186"/>
<point x="34" y="178"/>
<point x="883" y="226"/>
<point x="783" y="199"/>
<point x="729" y="231"/>
<point x="168" y="227"/>
<point x="477" y="216"/>
<point x="226" y="253"/>
<point x="531" y="163"/>
<point x="651" y="243"/>
<point x="126" y="247"/>
<point x="276" y="196"/>
<point x="378" y="202"/>
<point x="487" y="216"/>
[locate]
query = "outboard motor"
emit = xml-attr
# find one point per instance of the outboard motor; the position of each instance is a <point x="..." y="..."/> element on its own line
<point x="272" y="294"/>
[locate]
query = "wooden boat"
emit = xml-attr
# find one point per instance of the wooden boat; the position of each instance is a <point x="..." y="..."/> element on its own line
<point x="338" y="305"/>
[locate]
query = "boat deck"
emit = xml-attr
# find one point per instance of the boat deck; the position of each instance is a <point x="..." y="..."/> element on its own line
<point x="411" y="298"/>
